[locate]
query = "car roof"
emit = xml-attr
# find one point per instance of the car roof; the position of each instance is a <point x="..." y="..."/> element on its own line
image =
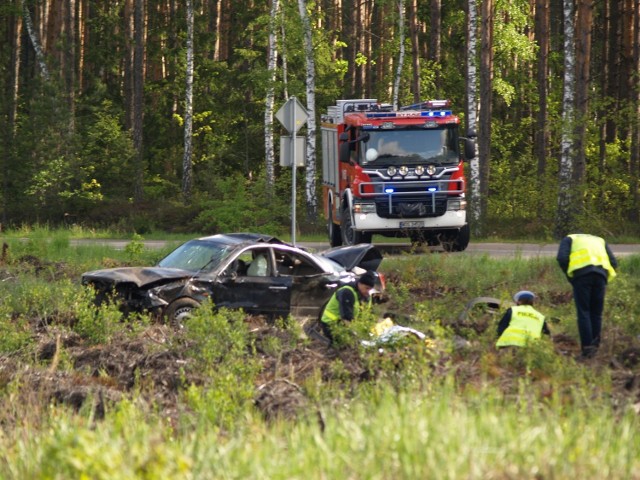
<point x="240" y="238"/>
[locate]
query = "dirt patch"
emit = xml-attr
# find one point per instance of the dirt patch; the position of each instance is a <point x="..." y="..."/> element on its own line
<point x="154" y="364"/>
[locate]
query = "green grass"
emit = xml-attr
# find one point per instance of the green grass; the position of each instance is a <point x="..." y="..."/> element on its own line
<point x="443" y="413"/>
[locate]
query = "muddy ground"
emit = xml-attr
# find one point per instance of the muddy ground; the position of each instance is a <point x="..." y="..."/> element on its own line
<point x="63" y="367"/>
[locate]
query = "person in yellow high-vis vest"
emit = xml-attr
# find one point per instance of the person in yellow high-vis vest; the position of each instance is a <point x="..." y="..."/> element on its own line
<point x="345" y="303"/>
<point x="589" y="264"/>
<point x="521" y="324"/>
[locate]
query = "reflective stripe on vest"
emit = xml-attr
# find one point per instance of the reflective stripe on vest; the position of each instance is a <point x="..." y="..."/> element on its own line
<point x="332" y="310"/>
<point x="588" y="250"/>
<point x="525" y="325"/>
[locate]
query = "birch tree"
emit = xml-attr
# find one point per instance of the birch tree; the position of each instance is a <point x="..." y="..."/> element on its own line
<point x="35" y="41"/>
<point x="472" y="116"/>
<point x="564" y="215"/>
<point x="187" y="164"/>
<point x="310" y="183"/>
<point x="398" y="77"/>
<point x="270" y="99"/>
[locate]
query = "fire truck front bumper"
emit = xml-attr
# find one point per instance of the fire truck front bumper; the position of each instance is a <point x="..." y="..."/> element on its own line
<point x="372" y="222"/>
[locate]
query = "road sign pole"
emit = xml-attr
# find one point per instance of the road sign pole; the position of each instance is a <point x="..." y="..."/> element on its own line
<point x="289" y="114"/>
<point x="294" y="172"/>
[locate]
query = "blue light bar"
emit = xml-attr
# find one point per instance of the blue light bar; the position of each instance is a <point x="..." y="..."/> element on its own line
<point x="432" y="189"/>
<point x="389" y="190"/>
<point x="429" y="113"/>
<point x="436" y="113"/>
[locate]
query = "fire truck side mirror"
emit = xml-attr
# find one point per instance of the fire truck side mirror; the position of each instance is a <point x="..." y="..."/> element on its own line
<point x="344" y="152"/>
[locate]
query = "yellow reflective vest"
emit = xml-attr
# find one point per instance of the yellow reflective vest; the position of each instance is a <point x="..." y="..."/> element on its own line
<point x="525" y="325"/>
<point x="332" y="310"/>
<point x="588" y="250"/>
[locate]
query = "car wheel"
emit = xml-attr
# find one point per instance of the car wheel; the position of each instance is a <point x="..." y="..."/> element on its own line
<point x="180" y="310"/>
<point x="335" y="235"/>
<point x="459" y="241"/>
<point x="351" y="236"/>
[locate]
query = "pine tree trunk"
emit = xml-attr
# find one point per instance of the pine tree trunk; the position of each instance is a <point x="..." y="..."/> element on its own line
<point x="542" y="79"/>
<point x="634" y="166"/>
<point x="583" y="65"/>
<point x="70" y="61"/>
<point x="415" y="50"/>
<point x="138" y="96"/>
<point x="398" y="77"/>
<point x="486" y="96"/>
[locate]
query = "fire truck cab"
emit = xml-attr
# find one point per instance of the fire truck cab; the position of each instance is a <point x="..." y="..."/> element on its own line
<point x="394" y="173"/>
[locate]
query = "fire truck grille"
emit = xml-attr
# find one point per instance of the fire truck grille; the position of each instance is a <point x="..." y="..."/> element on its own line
<point x="408" y="207"/>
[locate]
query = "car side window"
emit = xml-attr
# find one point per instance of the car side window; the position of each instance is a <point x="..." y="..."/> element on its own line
<point x="259" y="265"/>
<point x="291" y="263"/>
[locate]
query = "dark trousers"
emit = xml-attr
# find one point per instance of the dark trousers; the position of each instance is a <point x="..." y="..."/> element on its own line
<point x="588" y="294"/>
<point x="326" y="329"/>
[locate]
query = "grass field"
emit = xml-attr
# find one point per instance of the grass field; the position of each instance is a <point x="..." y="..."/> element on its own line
<point x="84" y="394"/>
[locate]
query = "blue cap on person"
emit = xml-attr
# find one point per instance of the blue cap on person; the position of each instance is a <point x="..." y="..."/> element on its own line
<point x="523" y="295"/>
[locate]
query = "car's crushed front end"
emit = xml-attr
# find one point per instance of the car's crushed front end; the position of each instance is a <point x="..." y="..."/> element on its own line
<point x="137" y="289"/>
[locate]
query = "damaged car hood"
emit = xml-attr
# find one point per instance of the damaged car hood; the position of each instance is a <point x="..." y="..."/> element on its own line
<point x="140" y="276"/>
<point x="363" y="255"/>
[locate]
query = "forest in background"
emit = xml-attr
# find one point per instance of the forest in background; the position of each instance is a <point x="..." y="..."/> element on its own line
<point x="99" y="98"/>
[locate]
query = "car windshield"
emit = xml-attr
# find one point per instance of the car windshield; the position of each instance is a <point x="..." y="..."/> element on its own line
<point x="196" y="255"/>
<point x="411" y="146"/>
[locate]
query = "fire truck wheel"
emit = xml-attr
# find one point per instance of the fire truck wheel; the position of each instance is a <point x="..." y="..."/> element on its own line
<point x="351" y="236"/>
<point x="335" y="235"/>
<point x="458" y="241"/>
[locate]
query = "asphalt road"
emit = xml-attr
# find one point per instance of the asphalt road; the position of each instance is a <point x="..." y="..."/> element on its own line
<point x="493" y="250"/>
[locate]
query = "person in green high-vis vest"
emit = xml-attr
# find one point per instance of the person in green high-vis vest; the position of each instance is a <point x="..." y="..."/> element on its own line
<point x="346" y="302"/>
<point x="521" y="324"/>
<point x="589" y="265"/>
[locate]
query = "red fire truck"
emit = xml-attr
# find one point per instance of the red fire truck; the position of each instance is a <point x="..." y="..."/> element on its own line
<point x="394" y="173"/>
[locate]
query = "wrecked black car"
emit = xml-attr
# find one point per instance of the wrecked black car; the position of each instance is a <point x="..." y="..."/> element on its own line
<point x="257" y="273"/>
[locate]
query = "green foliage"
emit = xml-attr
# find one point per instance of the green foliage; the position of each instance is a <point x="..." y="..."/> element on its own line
<point x="97" y="325"/>
<point x="135" y="247"/>
<point x="242" y="205"/>
<point x="128" y="446"/>
<point x="221" y="350"/>
<point x="14" y="331"/>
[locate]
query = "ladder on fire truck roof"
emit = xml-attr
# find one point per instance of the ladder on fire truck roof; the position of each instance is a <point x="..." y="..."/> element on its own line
<point x="335" y="113"/>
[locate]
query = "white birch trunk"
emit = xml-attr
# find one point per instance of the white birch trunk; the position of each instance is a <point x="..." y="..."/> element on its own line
<point x="310" y="183"/>
<point x="35" y="41"/>
<point x="564" y="214"/>
<point x="187" y="164"/>
<point x="396" y="82"/>
<point x="283" y="56"/>
<point x="475" y="205"/>
<point x="270" y="100"/>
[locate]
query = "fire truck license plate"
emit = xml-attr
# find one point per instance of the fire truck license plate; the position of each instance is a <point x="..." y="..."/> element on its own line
<point x="411" y="224"/>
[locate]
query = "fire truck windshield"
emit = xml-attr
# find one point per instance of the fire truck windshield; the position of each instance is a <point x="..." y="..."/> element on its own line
<point x="410" y="146"/>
